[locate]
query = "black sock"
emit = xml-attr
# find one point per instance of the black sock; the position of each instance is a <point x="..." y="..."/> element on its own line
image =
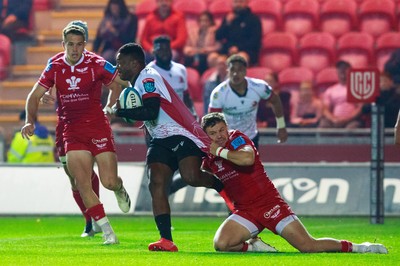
<point x="163" y="222"/>
<point x="218" y="186"/>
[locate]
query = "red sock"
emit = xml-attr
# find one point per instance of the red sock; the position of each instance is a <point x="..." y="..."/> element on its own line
<point x="81" y="205"/>
<point x="96" y="212"/>
<point x="346" y="246"/>
<point x="95" y="184"/>
<point x="245" y="246"/>
<point x="227" y="200"/>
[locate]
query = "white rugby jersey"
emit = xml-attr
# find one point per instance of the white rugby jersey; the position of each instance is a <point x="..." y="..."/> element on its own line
<point x="174" y="117"/>
<point x="240" y="111"/>
<point x="176" y="76"/>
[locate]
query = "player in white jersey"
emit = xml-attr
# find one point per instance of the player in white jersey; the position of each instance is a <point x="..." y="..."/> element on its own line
<point x="176" y="76"/>
<point x="238" y="97"/>
<point x="177" y="141"/>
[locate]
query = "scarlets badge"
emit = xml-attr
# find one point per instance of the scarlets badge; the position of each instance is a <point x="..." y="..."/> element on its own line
<point x="148" y="84"/>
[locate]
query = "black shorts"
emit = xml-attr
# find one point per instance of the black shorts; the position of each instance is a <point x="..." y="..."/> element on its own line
<point x="171" y="150"/>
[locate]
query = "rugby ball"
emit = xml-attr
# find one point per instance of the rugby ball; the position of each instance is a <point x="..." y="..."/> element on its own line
<point x="128" y="99"/>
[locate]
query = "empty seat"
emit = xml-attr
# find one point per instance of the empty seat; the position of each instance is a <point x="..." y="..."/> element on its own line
<point x="278" y="50"/>
<point x="5" y="55"/>
<point x="194" y="84"/>
<point x="377" y="17"/>
<point x="258" y="72"/>
<point x="142" y="9"/>
<point x="325" y="78"/>
<point x="219" y="8"/>
<point x="290" y="79"/>
<point x="300" y="16"/>
<point x="191" y="9"/>
<point x="385" y="45"/>
<point x="270" y="13"/>
<point x="356" y="48"/>
<point x="338" y="16"/>
<point x="317" y="50"/>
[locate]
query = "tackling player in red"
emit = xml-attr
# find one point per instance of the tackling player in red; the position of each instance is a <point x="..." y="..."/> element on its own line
<point x="234" y="159"/>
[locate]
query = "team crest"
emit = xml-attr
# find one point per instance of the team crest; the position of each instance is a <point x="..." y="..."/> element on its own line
<point x="148" y="85"/>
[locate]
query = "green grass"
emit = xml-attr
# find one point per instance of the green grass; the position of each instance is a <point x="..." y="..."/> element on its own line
<point x="55" y="240"/>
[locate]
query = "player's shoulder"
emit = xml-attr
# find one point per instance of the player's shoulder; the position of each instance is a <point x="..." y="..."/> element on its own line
<point x="178" y="66"/>
<point x="222" y="87"/>
<point x="255" y="82"/>
<point x="237" y="139"/>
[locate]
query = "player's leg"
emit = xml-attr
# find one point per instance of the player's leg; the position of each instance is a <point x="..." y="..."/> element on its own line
<point x="108" y="171"/>
<point x="237" y="233"/>
<point x="90" y="227"/>
<point x="297" y="235"/>
<point x="160" y="176"/>
<point x="80" y="166"/>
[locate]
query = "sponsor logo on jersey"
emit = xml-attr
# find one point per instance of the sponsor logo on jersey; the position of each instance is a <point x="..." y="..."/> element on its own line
<point x="237" y="142"/>
<point x="148" y="84"/>
<point x="73" y="83"/>
<point x="82" y="70"/>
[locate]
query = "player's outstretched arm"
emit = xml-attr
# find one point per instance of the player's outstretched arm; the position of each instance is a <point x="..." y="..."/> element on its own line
<point x="276" y="103"/>
<point x="31" y="108"/>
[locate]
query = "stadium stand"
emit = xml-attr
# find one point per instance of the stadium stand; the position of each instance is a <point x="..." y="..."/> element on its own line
<point x="5" y="56"/>
<point x="300" y="16"/>
<point x="270" y="13"/>
<point x="338" y="16"/>
<point x="195" y="89"/>
<point x="219" y="8"/>
<point x="377" y="17"/>
<point x="191" y="9"/>
<point x="258" y="72"/>
<point x="356" y="48"/>
<point x="324" y="79"/>
<point x="291" y="77"/>
<point x="278" y="50"/>
<point x="385" y="45"/>
<point x="317" y="50"/>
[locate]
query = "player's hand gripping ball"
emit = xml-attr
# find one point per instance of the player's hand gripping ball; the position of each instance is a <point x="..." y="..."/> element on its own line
<point x="128" y="99"/>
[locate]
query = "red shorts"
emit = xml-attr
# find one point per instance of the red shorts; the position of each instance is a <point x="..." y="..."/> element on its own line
<point x="95" y="139"/>
<point x="266" y="215"/>
<point x="59" y="139"/>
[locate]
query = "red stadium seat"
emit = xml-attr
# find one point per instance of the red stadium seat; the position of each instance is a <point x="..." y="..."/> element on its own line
<point x="290" y="79"/>
<point x="278" y="50"/>
<point x="385" y="45"/>
<point x="258" y="72"/>
<point x="325" y="78"/>
<point x="338" y="16"/>
<point x="195" y="89"/>
<point x="142" y="9"/>
<point x="270" y="13"/>
<point x="42" y="5"/>
<point x="317" y="50"/>
<point x="5" y="56"/>
<point x="219" y="8"/>
<point x="300" y="16"/>
<point x="356" y="48"/>
<point x="191" y="9"/>
<point x="377" y="17"/>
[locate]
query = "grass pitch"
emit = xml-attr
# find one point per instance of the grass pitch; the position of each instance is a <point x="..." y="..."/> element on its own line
<point x="55" y="240"/>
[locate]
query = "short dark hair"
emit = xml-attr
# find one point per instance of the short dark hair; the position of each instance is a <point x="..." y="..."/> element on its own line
<point x="162" y="39"/>
<point x="134" y="50"/>
<point x="342" y="63"/>
<point x="236" y="58"/>
<point x="211" y="119"/>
